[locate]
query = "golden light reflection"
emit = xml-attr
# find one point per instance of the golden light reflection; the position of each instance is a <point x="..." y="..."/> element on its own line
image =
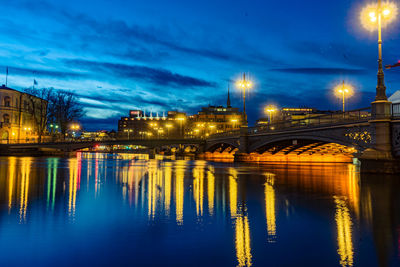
<point x="242" y="241"/>
<point x="210" y="189"/>
<point x="233" y="191"/>
<point x="11" y="176"/>
<point x="344" y="231"/>
<point x="25" y="175"/>
<point x="179" y="190"/>
<point x="270" y="212"/>
<point x="74" y="176"/>
<point x="167" y="190"/>
<point x="198" y="187"/>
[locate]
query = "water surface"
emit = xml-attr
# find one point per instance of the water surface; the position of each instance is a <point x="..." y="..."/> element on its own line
<point x="103" y="209"/>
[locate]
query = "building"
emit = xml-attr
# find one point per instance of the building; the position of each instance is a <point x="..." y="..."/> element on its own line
<point x="210" y="120"/>
<point x="140" y="125"/>
<point x="215" y="119"/>
<point x="22" y="116"/>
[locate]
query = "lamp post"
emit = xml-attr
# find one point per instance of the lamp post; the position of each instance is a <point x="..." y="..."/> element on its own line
<point x="343" y="91"/>
<point x="168" y="125"/>
<point x="372" y="18"/>
<point x="244" y="85"/>
<point x="269" y="110"/>
<point x="181" y="120"/>
<point x="234" y="121"/>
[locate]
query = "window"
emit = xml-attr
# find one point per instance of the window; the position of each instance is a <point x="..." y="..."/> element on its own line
<point x="6" y="118"/>
<point x="7" y="101"/>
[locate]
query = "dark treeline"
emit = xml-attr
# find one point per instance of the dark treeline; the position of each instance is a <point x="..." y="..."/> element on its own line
<point x="58" y="107"/>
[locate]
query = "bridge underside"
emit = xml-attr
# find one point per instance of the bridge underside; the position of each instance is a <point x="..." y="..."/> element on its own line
<point x="304" y="151"/>
<point x="288" y="150"/>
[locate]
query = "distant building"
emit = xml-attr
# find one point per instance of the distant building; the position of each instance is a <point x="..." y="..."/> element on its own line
<point x="215" y="119"/>
<point x="142" y="125"/>
<point x="19" y="121"/>
<point x="211" y="119"/>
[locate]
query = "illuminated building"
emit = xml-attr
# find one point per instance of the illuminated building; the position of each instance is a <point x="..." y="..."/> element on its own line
<point x="17" y="120"/>
<point x="210" y="120"/>
<point x="215" y="119"/>
<point x="140" y="125"/>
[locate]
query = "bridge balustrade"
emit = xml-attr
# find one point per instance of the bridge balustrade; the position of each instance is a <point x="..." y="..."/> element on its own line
<point x="396" y="110"/>
<point x="352" y="116"/>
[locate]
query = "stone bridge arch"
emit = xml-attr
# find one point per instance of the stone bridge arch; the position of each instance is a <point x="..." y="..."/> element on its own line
<point x="350" y="139"/>
<point x="212" y="146"/>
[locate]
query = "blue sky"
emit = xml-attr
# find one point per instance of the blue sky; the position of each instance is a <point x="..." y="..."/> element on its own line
<point x="180" y="55"/>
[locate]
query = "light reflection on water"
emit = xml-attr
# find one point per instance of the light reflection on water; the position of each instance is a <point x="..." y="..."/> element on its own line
<point x="182" y="212"/>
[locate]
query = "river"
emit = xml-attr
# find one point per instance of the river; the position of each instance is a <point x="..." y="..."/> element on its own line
<point x="121" y="209"/>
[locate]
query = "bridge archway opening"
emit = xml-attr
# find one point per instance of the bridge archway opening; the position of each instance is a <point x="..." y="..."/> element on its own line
<point x="305" y="151"/>
<point x="221" y="151"/>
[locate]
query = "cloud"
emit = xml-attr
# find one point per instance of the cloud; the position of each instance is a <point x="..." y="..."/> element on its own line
<point x="322" y="71"/>
<point x="33" y="72"/>
<point x="156" y="76"/>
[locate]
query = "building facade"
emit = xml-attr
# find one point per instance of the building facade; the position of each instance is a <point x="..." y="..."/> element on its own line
<point x="210" y="120"/>
<point x="140" y="125"/>
<point x="21" y="116"/>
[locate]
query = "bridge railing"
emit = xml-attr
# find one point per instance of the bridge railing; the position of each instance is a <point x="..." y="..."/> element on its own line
<point x="396" y="110"/>
<point x="352" y="116"/>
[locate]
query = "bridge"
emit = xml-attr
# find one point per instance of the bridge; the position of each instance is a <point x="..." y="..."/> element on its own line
<point x="369" y="134"/>
<point x="153" y="145"/>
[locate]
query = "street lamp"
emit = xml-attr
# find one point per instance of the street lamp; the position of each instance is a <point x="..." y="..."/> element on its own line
<point x="181" y="120"/>
<point x="269" y="110"/>
<point x="342" y="91"/>
<point x="373" y="16"/>
<point x="234" y="121"/>
<point x="243" y="84"/>
<point x="168" y="125"/>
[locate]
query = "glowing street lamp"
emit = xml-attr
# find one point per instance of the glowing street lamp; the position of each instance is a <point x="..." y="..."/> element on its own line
<point x="181" y="120"/>
<point x="243" y="84"/>
<point x="234" y="121"/>
<point x="373" y="17"/>
<point x="168" y="125"/>
<point x="270" y="109"/>
<point x="342" y="91"/>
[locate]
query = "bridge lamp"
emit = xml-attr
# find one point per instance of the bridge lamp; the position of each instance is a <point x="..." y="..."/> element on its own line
<point x="234" y="121"/>
<point x="244" y="85"/>
<point x="344" y="91"/>
<point x="168" y="125"/>
<point x="373" y="17"/>
<point x="270" y="109"/>
<point x="181" y="121"/>
<point x="212" y="127"/>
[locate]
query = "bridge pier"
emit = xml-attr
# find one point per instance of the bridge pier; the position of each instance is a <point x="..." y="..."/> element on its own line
<point x="380" y="159"/>
<point x="242" y="153"/>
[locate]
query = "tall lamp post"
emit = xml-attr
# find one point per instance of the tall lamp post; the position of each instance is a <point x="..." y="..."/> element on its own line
<point x="244" y="85"/>
<point x="270" y="110"/>
<point x="373" y="17"/>
<point x="343" y="91"/>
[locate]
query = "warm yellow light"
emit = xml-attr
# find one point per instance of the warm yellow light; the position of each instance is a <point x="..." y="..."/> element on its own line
<point x="344" y="89"/>
<point x="234" y="120"/>
<point x="270" y="109"/>
<point x="369" y="15"/>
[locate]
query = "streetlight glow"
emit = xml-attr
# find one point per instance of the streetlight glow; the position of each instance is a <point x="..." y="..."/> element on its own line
<point x="244" y="85"/>
<point x="344" y="91"/>
<point x="270" y="109"/>
<point x="371" y="14"/>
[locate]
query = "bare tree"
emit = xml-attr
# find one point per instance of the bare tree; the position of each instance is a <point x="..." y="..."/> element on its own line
<point x="39" y="102"/>
<point x="48" y="105"/>
<point x="66" y="108"/>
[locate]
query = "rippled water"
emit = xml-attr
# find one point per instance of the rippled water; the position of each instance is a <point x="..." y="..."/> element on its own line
<point x="119" y="209"/>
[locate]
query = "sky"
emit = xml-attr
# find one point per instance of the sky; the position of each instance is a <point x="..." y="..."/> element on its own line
<point x="159" y="55"/>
